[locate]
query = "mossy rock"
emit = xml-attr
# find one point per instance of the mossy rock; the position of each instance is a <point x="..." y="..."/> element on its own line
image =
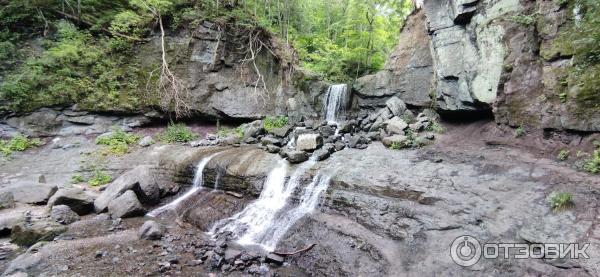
<point x="29" y="233"/>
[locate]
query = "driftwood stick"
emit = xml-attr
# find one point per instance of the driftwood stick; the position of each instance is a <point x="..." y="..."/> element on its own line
<point x="295" y="252"/>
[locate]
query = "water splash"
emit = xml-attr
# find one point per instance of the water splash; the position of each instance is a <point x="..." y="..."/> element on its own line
<point x="335" y="102"/>
<point x="256" y="224"/>
<point x="196" y="186"/>
<point x="308" y="203"/>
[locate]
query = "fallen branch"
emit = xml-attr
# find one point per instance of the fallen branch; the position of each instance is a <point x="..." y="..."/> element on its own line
<point x="295" y="252"/>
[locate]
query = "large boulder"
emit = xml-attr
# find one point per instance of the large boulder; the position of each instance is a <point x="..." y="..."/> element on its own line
<point x="126" y="205"/>
<point x="151" y="230"/>
<point x="395" y="126"/>
<point x="77" y="199"/>
<point x="30" y="193"/>
<point x="294" y="156"/>
<point x="395" y="140"/>
<point x="252" y="129"/>
<point x="308" y="142"/>
<point x="63" y="214"/>
<point x="141" y="180"/>
<point x="28" y="232"/>
<point x="8" y="221"/>
<point x="396" y="106"/>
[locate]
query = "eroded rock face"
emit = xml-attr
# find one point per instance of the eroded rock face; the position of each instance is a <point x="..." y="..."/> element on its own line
<point x="484" y="55"/>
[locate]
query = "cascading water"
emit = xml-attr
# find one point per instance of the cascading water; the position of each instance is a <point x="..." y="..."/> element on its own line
<point x="196" y="186"/>
<point x="308" y="202"/>
<point x="335" y="102"/>
<point x="264" y="221"/>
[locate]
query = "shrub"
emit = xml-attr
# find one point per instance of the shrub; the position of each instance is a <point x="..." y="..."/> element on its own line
<point x="224" y="132"/>
<point x="563" y="154"/>
<point x="18" y="143"/>
<point x="77" y="178"/>
<point x="270" y="123"/>
<point x="592" y="165"/>
<point x="436" y="127"/>
<point x="117" y="142"/>
<point x="177" y="132"/>
<point x="99" y="178"/>
<point x="560" y="200"/>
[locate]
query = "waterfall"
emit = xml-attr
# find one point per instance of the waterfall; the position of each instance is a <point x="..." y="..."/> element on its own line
<point x="335" y="102"/>
<point x="308" y="202"/>
<point x="196" y="186"/>
<point x="264" y="221"/>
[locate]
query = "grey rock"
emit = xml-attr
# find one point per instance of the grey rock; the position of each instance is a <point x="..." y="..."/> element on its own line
<point x="231" y="254"/>
<point x="79" y="200"/>
<point x="63" y="214"/>
<point x="295" y="156"/>
<point x="396" y="106"/>
<point x="30" y="193"/>
<point x="253" y="129"/>
<point x="308" y="142"/>
<point x="84" y="119"/>
<point x="269" y="140"/>
<point x="274" y="258"/>
<point x="141" y="180"/>
<point x="326" y="131"/>
<point x="151" y="230"/>
<point x="395" y="126"/>
<point x="321" y="154"/>
<point x="273" y="149"/>
<point x="431" y="114"/>
<point x="281" y="132"/>
<point x="204" y="142"/>
<point x="339" y="146"/>
<point x="395" y="139"/>
<point x="7" y="200"/>
<point x="146" y="141"/>
<point x="329" y="147"/>
<point x="8" y="221"/>
<point x="27" y="233"/>
<point x="126" y="205"/>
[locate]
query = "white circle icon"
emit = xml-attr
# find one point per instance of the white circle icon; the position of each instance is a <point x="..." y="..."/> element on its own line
<point x="465" y="251"/>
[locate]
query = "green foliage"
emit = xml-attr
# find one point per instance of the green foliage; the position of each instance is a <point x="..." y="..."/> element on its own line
<point x="520" y="131"/>
<point x="563" y="154"/>
<point x="397" y="146"/>
<point x="523" y="19"/>
<point x="226" y="132"/>
<point x="592" y="165"/>
<point x="117" y="142"/>
<point x="270" y="123"/>
<point x="560" y="200"/>
<point x="77" y="179"/>
<point x="436" y="127"/>
<point x="177" y="132"/>
<point x="99" y="178"/>
<point x="18" y="143"/>
<point x="75" y="68"/>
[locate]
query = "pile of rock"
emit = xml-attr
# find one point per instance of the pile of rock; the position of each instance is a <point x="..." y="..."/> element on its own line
<point x="394" y="125"/>
<point x="218" y="256"/>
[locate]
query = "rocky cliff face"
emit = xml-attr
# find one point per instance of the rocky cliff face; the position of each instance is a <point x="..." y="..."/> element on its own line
<point x="232" y="73"/>
<point x="473" y="55"/>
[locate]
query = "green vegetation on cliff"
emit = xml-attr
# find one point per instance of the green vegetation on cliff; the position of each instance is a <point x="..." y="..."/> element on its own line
<point x="86" y="52"/>
<point x="581" y="39"/>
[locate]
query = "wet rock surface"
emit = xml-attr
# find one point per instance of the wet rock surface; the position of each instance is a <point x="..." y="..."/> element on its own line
<point x="385" y="211"/>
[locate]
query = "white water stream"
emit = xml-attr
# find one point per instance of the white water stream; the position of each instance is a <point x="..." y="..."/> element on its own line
<point x="265" y="221"/>
<point x="335" y="102"/>
<point x="196" y="186"/>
